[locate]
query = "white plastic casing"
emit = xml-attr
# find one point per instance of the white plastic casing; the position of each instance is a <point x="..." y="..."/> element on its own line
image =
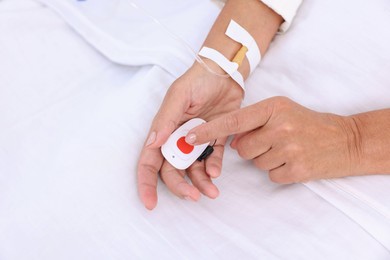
<point x="174" y="155"/>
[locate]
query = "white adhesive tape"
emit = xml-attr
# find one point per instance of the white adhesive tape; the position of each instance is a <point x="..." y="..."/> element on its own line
<point x="239" y="34"/>
<point x="228" y="66"/>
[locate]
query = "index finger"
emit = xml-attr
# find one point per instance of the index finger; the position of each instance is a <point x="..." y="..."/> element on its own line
<point x="238" y="121"/>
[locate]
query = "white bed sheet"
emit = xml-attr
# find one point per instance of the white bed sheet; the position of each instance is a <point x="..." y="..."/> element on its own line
<point x="71" y="129"/>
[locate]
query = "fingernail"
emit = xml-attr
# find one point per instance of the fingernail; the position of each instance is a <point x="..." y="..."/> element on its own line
<point x="151" y="139"/>
<point x="191" y="138"/>
<point x="188" y="198"/>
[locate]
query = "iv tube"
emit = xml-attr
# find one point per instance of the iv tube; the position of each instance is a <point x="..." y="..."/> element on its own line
<point x="177" y="38"/>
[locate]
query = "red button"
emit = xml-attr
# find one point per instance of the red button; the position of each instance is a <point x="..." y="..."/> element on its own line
<point x="184" y="147"/>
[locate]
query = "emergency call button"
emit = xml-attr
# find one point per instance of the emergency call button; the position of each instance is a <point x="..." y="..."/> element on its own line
<point x="183" y="146"/>
<point x="177" y="151"/>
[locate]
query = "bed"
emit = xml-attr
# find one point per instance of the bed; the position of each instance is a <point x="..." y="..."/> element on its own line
<point x="80" y="82"/>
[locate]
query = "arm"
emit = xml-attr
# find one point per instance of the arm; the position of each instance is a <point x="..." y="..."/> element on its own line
<point x="296" y="144"/>
<point x="198" y="93"/>
<point x="257" y="18"/>
<point x="370" y="142"/>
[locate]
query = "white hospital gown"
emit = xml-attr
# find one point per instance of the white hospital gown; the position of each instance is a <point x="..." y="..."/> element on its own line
<point x="286" y="9"/>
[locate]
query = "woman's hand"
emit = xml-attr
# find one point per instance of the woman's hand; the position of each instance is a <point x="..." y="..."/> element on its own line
<point x="293" y="143"/>
<point x="198" y="93"/>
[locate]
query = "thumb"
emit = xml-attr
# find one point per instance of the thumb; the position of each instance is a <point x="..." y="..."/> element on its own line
<point x="168" y="118"/>
<point x="239" y="121"/>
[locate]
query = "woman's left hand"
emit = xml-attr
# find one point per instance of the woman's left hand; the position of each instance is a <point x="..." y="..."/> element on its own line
<point x="197" y="93"/>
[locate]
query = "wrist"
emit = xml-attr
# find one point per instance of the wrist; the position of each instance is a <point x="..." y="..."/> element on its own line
<point x="201" y="71"/>
<point x="214" y="67"/>
<point x="374" y="141"/>
<point x="353" y="144"/>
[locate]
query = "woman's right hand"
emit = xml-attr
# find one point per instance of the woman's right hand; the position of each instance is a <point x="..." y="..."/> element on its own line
<point x="290" y="141"/>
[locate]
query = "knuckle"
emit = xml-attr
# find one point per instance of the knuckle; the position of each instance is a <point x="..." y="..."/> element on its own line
<point x="160" y="123"/>
<point x="232" y="123"/>
<point x="299" y="173"/>
<point x="277" y="178"/>
<point x="281" y="177"/>
<point x="259" y="163"/>
<point x="210" y="133"/>
<point x="195" y="168"/>
<point x="176" y="85"/>
<point x="287" y="128"/>
<point x="282" y="101"/>
<point x="294" y="177"/>
<point x="284" y="129"/>
<point x="292" y="151"/>
<point x="243" y="151"/>
<point x="203" y="132"/>
<point x="240" y="151"/>
<point x="171" y="124"/>
<point x="169" y="177"/>
<point x="149" y="170"/>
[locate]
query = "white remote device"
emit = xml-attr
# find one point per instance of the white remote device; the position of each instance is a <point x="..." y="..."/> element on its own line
<point x="177" y="151"/>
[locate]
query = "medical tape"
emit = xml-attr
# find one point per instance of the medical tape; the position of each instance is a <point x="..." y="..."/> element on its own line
<point x="239" y="34"/>
<point x="228" y="66"/>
